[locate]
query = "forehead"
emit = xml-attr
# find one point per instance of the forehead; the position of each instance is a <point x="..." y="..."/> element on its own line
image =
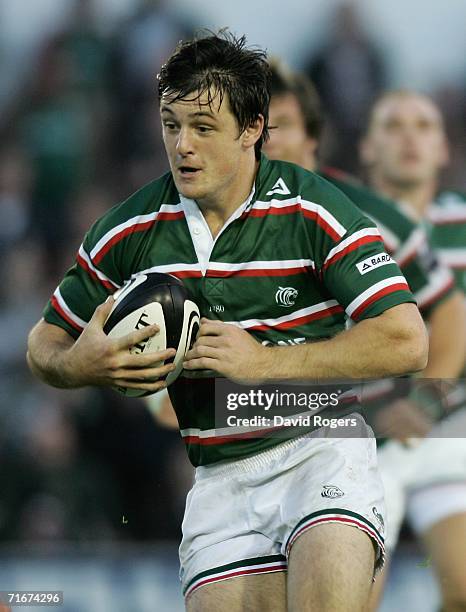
<point x="193" y="104"/>
<point x="406" y="108"/>
<point x="285" y="103"/>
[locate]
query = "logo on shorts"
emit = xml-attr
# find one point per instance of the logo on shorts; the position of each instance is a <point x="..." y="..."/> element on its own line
<point x="331" y="491"/>
<point x="285" y="296"/>
<point x="379" y="517"/>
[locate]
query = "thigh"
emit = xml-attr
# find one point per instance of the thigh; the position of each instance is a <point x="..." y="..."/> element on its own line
<point x="446" y="544"/>
<point x="330" y="569"/>
<point x="243" y="594"/>
<point x="377" y="588"/>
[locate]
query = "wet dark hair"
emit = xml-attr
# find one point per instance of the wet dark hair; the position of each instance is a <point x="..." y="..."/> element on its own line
<point x="220" y="64"/>
<point x="284" y="81"/>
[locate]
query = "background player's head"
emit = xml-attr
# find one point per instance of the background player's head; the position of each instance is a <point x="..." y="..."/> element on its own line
<point x="405" y="145"/>
<point x="214" y="101"/>
<point x="295" y="117"/>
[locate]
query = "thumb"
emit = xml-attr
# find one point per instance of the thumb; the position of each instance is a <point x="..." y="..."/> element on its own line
<point x="101" y="312"/>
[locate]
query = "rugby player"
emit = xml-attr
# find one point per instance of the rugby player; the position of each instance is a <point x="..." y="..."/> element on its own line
<point x="404" y="151"/>
<point x="261" y="530"/>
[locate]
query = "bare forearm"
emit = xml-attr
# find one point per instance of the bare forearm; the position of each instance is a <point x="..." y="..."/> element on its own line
<point x="447" y="331"/>
<point x="367" y="350"/>
<point x="48" y="355"/>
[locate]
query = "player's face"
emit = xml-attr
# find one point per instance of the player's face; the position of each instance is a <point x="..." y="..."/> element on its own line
<point x="406" y="144"/>
<point x="289" y="140"/>
<point x="205" y="148"/>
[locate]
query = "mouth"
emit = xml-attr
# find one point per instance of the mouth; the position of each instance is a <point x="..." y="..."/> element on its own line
<point x="188" y="171"/>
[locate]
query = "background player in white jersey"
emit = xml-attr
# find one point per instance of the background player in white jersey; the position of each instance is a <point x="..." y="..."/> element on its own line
<point x="404" y="151"/>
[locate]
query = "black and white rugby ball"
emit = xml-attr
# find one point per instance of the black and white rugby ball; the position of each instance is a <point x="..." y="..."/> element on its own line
<point x="155" y="298"/>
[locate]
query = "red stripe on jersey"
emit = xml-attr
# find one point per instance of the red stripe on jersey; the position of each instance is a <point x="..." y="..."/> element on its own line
<point x="83" y="263"/>
<point x="351" y="247"/>
<point x="300" y="320"/>
<point x="383" y="292"/>
<point x="187" y="274"/>
<point x="63" y="314"/>
<point x="259" y="272"/>
<point x="170" y="216"/>
<point x="137" y="227"/>
<point x="259" y="433"/>
<point x="290" y="209"/>
<point x="437" y="295"/>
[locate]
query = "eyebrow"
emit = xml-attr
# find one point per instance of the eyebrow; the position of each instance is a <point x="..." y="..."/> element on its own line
<point x="167" y="109"/>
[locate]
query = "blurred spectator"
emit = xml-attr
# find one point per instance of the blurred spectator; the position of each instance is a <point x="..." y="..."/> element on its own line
<point x="348" y="73"/>
<point x="15" y="204"/>
<point x="141" y="45"/>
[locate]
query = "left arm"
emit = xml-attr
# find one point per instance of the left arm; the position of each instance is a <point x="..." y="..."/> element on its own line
<point x="391" y="344"/>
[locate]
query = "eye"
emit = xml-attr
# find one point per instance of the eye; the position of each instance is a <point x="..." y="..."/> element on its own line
<point x="204" y="129"/>
<point x="169" y="125"/>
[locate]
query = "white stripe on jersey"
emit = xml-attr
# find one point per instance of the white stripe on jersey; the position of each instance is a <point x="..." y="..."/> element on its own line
<point x="411" y="246"/>
<point x="368" y="231"/>
<point x="67" y="309"/>
<point x="279" y="264"/>
<point x="302" y="312"/>
<point x="320" y="211"/>
<point x="165" y="208"/>
<point x="368" y="293"/>
<point x="171" y="269"/>
<point x="96" y="271"/>
<point x="438" y="280"/>
<point x="453" y="258"/>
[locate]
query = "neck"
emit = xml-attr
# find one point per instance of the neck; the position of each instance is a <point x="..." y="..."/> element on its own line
<point x="418" y="197"/>
<point x="310" y="162"/>
<point x="218" y="209"/>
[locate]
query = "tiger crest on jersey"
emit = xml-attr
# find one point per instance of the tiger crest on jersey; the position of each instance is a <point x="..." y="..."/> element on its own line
<point x="286" y="296"/>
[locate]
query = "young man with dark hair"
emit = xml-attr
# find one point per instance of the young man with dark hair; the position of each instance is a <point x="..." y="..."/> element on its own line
<point x="236" y="227"/>
<point x="404" y="151"/>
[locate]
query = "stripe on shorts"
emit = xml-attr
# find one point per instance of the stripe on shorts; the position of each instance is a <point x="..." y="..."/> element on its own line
<point x="245" y="567"/>
<point x="335" y="515"/>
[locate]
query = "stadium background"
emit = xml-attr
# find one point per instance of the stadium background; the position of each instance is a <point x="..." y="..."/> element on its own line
<point x="91" y="489"/>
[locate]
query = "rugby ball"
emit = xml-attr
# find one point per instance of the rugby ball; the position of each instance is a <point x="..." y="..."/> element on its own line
<point x="158" y="298"/>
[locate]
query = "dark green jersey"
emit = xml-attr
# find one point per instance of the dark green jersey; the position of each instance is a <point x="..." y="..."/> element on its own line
<point x="447" y="228"/>
<point x="428" y="277"/>
<point x="289" y="266"/>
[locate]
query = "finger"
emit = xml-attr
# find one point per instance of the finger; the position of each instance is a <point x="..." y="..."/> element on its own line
<point x="201" y="363"/>
<point x="146" y="360"/>
<point x="145" y="374"/>
<point x="147" y="386"/>
<point x="202" y="350"/>
<point x="212" y="328"/>
<point x="102" y="311"/>
<point x="137" y="336"/>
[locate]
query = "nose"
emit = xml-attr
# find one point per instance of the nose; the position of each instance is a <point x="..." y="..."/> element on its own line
<point x="184" y="144"/>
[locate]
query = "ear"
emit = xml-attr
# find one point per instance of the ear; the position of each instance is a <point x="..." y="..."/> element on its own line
<point x="252" y="133"/>
<point x="366" y="152"/>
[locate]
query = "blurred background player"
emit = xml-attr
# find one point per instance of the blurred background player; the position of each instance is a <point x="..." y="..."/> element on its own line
<point x="296" y="120"/>
<point x="404" y="152"/>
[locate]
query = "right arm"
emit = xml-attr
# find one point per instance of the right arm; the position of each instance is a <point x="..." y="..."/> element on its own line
<point x="94" y="358"/>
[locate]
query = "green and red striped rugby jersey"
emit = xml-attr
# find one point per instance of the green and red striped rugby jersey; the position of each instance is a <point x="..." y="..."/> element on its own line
<point x="407" y="241"/>
<point x="446" y="220"/>
<point x="297" y="260"/>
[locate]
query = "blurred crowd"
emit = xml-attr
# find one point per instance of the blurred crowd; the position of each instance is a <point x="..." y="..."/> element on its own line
<point x="80" y="135"/>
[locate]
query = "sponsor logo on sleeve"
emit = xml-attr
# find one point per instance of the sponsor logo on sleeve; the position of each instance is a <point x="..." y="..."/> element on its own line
<point x="371" y="263"/>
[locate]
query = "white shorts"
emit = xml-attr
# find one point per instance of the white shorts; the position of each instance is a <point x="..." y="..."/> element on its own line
<point x="242" y="517"/>
<point x="414" y="479"/>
